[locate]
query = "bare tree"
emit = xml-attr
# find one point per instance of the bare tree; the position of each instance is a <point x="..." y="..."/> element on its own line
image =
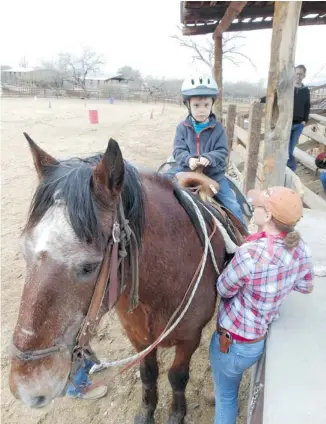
<point x="204" y="51"/>
<point x="23" y="63"/>
<point x="60" y="74"/>
<point x="78" y="68"/>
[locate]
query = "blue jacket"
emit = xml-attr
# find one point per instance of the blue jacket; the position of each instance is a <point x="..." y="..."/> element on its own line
<point x="211" y="143"/>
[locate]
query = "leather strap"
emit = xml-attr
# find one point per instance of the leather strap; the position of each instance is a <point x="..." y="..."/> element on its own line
<point x="221" y="330"/>
<point x="108" y="274"/>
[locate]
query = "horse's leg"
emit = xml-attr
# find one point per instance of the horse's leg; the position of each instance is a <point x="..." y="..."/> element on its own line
<point x="178" y="377"/>
<point x="148" y="374"/>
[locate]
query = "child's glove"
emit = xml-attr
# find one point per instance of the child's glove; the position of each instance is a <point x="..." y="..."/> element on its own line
<point x="193" y="163"/>
<point x="204" y="161"/>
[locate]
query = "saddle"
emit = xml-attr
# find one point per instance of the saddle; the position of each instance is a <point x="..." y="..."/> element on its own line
<point x="205" y="188"/>
<point x="199" y="183"/>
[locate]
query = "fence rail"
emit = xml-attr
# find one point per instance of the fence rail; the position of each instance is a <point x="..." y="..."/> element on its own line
<point x="252" y="138"/>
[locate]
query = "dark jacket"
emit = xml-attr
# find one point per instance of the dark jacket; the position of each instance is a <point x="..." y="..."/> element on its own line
<point x="210" y="143"/>
<point x="301" y="104"/>
<point x="320" y="161"/>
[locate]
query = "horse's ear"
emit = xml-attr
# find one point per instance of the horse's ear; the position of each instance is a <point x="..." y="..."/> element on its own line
<point x="110" y="171"/>
<point x="41" y="159"/>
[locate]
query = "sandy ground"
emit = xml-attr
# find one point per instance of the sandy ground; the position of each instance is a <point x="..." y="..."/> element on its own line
<point x="64" y="131"/>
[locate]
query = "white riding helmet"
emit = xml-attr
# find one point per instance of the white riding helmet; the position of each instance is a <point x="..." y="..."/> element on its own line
<point x="199" y="86"/>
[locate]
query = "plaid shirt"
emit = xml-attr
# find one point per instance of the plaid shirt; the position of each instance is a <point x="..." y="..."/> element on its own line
<point x="257" y="281"/>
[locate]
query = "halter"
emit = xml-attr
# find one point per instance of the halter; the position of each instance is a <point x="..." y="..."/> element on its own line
<point x="107" y="282"/>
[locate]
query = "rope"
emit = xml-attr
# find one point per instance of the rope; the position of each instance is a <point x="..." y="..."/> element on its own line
<point x="134" y="359"/>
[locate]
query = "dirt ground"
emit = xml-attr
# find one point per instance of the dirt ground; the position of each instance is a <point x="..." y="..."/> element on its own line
<point x="64" y="131"/>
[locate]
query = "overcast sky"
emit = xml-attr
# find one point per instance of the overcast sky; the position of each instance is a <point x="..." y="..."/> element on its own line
<point x="135" y="33"/>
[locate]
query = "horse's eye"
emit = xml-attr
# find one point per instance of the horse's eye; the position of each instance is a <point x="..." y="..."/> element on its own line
<point x="88" y="269"/>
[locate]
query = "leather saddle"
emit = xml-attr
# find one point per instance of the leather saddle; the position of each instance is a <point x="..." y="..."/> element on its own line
<point x="206" y="188"/>
<point x="199" y="183"/>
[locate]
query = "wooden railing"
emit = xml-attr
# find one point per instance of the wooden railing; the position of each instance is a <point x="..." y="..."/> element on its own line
<point x="252" y="140"/>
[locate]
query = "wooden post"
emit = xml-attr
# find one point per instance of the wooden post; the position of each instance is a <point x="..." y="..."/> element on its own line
<point x="279" y="108"/>
<point x="251" y="161"/>
<point x="230" y="121"/>
<point x="218" y="76"/>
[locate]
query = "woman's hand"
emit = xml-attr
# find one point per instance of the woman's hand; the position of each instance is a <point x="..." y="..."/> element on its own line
<point x="204" y="161"/>
<point x="193" y="163"/>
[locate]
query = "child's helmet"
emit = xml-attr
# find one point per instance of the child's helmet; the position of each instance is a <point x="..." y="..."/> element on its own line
<point x="199" y="86"/>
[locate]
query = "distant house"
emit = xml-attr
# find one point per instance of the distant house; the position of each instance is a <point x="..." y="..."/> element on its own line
<point x="21" y="76"/>
<point x="102" y="81"/>
<point x="35" y="76"/>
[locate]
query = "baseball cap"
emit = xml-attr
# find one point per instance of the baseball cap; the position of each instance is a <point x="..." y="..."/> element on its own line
<point x="283" y="203"/>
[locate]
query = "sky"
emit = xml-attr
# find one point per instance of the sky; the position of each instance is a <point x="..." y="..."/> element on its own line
<point x="134" y="33"/>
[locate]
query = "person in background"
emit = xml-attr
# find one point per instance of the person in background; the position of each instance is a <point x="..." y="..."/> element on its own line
<point x="320" y="162"/>
<point x="301" y="110"/>
<point x="263" y="272"/>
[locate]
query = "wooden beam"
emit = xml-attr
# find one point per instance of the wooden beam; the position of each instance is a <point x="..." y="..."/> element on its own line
<point x="218" y="75"/>
<point x="312" y="200"/>
<point x="241" y="134"/>
<point x="318" y="118"/>
<point x="211" y="13"/>
<point x="230" y="121"/>
<point x="307" y="160"/>
<point x="316" y="88"/>
<point x="251" y="11"/>
<point x="279" y="106"/>
<point x="293" y="182"/>
<point x="314" y="135"/>
<point x="252" y="151"/>
<point x="233" y="10"/>
<point x="242" y="26"/>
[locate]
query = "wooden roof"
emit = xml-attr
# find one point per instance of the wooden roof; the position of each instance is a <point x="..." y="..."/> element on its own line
<point x="202" y="17"/>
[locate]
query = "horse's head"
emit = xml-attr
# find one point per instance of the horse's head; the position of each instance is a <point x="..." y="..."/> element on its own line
<point x="63" y="242"/>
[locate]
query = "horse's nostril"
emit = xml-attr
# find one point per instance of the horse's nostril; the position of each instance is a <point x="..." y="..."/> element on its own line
<point x="38" y="401"/>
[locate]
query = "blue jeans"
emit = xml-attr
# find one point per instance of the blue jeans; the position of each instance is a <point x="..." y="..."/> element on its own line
<point x="227" y="370"/>
<point x="296" y="131"/>
<point x="229" y="200"/>
<point x="323" y="180"/>
<point x="80" y="379"/>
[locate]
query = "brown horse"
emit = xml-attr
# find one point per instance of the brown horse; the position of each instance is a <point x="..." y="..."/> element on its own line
<point x="64" y="242"/>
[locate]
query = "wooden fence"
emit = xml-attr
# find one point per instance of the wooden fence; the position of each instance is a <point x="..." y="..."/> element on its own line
<point x="250" y="135"/>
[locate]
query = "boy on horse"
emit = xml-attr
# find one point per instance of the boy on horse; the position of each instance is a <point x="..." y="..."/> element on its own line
<point x="200" y="140"/>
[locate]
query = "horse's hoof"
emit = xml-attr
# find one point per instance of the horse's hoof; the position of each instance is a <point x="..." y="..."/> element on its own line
<point x="175" y="419"/>
<point x="143" y="418"/>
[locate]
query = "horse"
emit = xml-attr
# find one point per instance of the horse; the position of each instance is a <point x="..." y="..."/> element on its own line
<point x="65" y="243"/>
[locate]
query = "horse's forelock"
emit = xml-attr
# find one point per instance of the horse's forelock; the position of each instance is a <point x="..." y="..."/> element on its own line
<point x="70" y="183"/>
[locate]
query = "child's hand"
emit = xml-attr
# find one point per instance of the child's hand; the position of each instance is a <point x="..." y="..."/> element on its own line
<point x="204" y="161"/>
<point x="193" y="163"/>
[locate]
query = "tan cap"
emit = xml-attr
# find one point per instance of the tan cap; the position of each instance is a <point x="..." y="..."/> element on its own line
<point x="283" y="203"/>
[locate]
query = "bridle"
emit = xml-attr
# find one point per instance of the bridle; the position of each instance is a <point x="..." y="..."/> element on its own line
<point x="120" y="243"/>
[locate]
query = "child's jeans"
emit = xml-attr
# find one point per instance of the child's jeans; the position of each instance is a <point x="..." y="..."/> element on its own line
<point x="229" y="200"/>
<point x="80" y="379"/>
<point x="323" y="180"/>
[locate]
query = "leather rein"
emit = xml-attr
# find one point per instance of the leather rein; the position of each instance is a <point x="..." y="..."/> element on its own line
<point x="120" y="243"/>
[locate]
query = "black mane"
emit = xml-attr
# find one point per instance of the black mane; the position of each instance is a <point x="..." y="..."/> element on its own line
<point x="70" y="181"/>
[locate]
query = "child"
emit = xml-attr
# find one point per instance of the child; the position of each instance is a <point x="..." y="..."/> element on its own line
<point x="261" y="275"/>
<point x="201" y="141"/>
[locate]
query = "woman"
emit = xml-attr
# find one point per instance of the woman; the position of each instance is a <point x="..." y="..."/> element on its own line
<point x="264" y="270"/>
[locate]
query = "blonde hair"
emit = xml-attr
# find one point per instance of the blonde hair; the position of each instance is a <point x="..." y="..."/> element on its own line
<point x="292" y="238"/>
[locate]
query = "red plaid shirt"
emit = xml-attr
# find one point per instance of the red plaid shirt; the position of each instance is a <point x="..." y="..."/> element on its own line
<point x="256" y="282"/>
